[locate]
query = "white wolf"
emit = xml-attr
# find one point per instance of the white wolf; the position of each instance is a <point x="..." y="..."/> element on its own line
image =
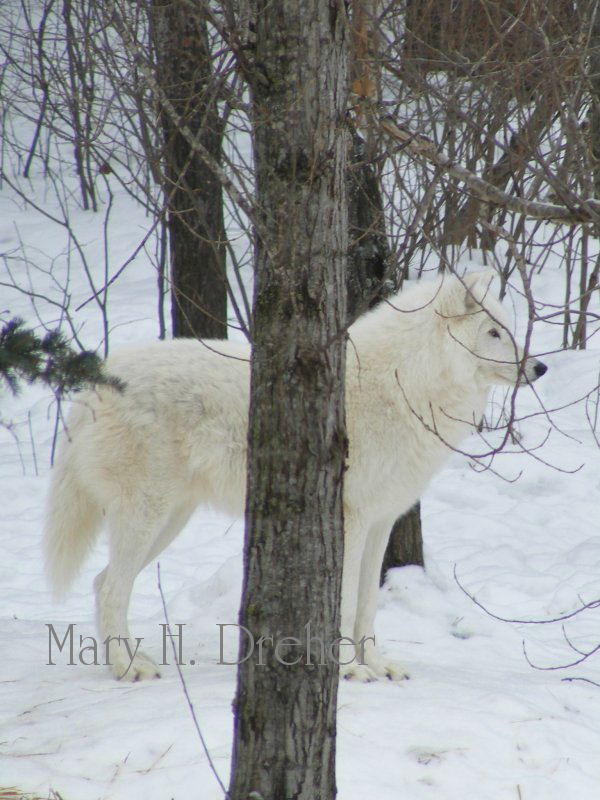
<point x="418" y="373"/>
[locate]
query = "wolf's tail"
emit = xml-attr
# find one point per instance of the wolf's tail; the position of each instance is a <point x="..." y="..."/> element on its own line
<point x="72" y="522"/>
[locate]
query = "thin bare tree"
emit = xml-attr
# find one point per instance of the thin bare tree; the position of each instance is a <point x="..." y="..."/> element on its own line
<point x="184" y="66"/>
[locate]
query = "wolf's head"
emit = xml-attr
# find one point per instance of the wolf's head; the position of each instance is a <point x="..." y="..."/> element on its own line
<point x="478" y="325"/>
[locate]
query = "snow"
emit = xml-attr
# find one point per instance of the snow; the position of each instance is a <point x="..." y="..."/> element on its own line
<point x="474" y="721"/>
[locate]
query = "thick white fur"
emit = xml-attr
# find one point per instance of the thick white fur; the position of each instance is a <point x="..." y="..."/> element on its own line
<point x="418" y="374"/>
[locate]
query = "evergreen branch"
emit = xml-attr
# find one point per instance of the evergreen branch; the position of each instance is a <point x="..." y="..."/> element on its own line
<point x="25" y="356"/>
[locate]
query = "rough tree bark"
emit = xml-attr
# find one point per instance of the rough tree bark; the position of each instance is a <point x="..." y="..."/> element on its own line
<point x="194" y="194"/>
<point x="285" y="715"/>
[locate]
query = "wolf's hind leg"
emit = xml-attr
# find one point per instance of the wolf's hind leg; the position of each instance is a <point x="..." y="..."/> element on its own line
<point x="133" y="530"/>
<point x="135" y="541"/>
<point x="175" y="523"/>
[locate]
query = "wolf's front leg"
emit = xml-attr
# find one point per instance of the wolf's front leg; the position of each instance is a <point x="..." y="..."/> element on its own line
<point x="364" y="629"/>
<point x="351" y="666"/>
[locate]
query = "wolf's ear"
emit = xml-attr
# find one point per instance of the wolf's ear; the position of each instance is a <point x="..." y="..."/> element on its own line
<point x="461" y="296"/>
<point x="477" y="285"/>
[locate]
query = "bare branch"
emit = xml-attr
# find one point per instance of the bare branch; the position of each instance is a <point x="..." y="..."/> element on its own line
<point x="421" y="147"/>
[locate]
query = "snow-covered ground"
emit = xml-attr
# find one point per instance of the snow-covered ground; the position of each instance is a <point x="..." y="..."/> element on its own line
<point x="474" y="721"/>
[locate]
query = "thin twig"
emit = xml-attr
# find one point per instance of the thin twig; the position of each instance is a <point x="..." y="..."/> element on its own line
<point x="185" y="689"/>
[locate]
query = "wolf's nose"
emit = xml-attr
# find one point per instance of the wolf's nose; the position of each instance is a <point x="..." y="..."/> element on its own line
<point x="540" y="369"/>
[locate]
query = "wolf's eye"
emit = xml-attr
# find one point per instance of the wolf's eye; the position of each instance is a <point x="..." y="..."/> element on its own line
<point x="493" y="332"/>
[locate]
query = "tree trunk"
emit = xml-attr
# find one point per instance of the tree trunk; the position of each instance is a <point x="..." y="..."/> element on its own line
<point x="194" y="195"/>
<point x="368" y="278"/>
<point x="285" y="715"/>
<point x="406" y="542"/>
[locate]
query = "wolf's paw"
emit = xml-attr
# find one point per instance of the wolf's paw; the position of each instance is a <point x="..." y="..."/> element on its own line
<point x="392" y="670"/>
<point x="382" y="667"/>
<point x="141" y="668"/>
<point x="374" y="670"/>
<point x="357" y="672"/>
